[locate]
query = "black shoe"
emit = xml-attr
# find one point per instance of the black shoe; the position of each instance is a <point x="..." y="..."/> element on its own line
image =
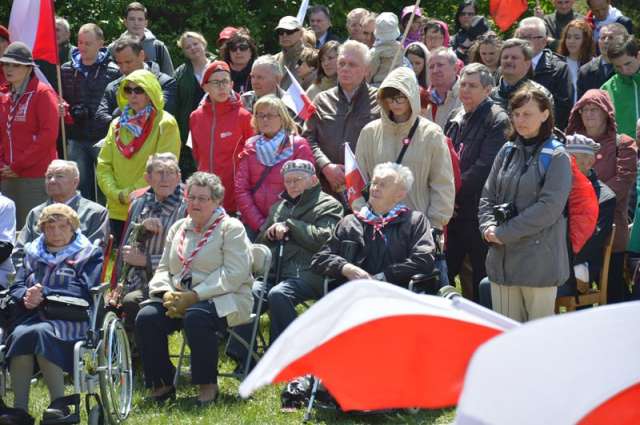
<point x="59" y="412"/>
<point x="163" y="398"/>
<point x="14" y="416"/>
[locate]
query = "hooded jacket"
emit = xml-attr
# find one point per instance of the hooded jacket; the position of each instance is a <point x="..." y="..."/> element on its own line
<point x="29" y="129"/>
<point x="254" y="205"/>
<point x="218" y="135"/>
<point x="428" y="157"/>
<point x="85" y="85"/>
<point x="115" y="172"/>
<point x="615" y="161"/>
<point x="625" y="94"/>
<point x="154" y="51"/>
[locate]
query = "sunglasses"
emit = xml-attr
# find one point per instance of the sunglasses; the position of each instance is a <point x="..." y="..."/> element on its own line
<point x="241" y="47"/>
<point x="131" y="90"/>
<point x="287" y="32"/>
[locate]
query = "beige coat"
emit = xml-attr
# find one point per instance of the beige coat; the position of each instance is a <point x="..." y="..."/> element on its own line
<point x="442" y="112"/>
<point x="221" y="271"/>
<point x="428" y="157"/>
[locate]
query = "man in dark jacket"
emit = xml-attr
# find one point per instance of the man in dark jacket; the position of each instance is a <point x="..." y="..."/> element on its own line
<point x="556" y="21"/>
<point x="478" y="131"/>
<point x="549" y="69"/>
<point x="602" y="13"/>
<point x="84" y="80"/>
<point x="341" y="113"/>
<point x="384" y="240"/>
<point x="129" y="55"/>
<point x="596" y="72"/>
<point x="320" y="21"/>
<point x="297" y="227"/>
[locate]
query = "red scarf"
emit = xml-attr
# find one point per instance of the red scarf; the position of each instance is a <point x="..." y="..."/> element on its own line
<point x="186" y="263"/>
<point x="136" y="144"/>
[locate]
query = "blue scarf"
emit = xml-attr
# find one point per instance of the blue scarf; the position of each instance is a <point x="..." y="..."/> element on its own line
<point x="135" y="122"/>
<point x="269" y="151"/>
<point x="38" y="249"/>
<point x="366" y="215"/>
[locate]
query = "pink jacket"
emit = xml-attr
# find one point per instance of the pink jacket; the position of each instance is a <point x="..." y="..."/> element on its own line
<point x="254" y="207"/>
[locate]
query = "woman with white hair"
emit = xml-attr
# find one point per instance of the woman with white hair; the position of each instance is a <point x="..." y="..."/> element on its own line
<point x="384" y="240"/>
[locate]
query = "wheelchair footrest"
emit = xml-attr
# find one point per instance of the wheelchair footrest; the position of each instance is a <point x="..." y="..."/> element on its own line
<point x="52" y="415"/>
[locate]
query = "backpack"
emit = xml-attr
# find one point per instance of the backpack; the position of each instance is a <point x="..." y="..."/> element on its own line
<point x="582" y="205"/>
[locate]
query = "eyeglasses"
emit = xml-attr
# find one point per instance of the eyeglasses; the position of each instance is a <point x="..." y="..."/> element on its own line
<point x="269" y="117"/>
<point x="282" y="32"/>
<point x="241" y="47"/>
<point x="399" y="99"/>
<point x="131" y="90"/>
<point x="199" y="199"/>
<point x="219" y="83"/>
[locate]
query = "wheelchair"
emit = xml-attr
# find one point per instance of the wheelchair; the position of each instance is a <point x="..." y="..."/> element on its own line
<point x="102" y="370"/>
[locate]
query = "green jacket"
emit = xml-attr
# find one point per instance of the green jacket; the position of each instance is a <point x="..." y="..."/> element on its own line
<point x="311" y="221"/>
<point x="625" y="94"/>
<point x="116" y="173"/>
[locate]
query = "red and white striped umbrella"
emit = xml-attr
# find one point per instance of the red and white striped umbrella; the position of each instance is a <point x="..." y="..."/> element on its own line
<point x="378" y="346"/>
<point x="578" y="368"/>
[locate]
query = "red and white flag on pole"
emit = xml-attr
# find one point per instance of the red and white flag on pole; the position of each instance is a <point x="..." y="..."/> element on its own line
<point x="577" y="368"/>
<point x="33" y="23"/>
<point x="297" y="99"/>
<point x="378" y="346"/>
<point x="353" y="177"/>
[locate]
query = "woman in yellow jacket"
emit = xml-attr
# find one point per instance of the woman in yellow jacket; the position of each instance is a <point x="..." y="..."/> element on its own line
<point x="142" y="129"/>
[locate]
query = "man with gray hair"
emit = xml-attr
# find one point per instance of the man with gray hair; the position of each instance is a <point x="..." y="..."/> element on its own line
<point x="341" y="113"/>
<point x="61" y="184"/>
<point x="442" y="96"/>
<point x="477" y="129"/>
<point x="266" y="75"/>
<point x="549" y="69"/>
<point x="153" y="211"/>
<point x="63" y="38"/>
<point x="384" y="240"/>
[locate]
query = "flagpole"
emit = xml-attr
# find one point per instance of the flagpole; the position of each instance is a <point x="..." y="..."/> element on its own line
<point x="399" y="53"/>
<point x="60" y="103"/>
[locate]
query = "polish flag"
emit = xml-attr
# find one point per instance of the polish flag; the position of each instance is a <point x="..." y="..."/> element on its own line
<point x="353" y="177"/>
<point x="576" y="368"/>
<point x="377" y="346"/>
<point x="296" y="98"/>
<point x="33" y="23"/>
<point x="506" y="12"/>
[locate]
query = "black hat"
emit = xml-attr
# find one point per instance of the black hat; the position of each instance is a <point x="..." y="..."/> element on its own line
<point x="18" y="53"/>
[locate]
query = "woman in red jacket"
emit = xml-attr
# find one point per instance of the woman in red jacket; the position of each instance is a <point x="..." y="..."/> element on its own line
<point x="29" y="123"/>
<point x="219" y="128"/>
<point x="258" y="182"/>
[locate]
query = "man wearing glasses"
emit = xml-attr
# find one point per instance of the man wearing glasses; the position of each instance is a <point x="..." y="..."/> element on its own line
<point x="549" y="70"/>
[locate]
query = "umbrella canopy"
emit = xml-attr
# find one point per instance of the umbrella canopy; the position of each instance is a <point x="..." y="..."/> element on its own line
<point x="573" y="368"/>
<point x="378" y="346"/>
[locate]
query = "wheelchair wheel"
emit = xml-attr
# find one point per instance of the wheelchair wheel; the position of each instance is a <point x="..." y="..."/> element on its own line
<point x="116" y="374"/>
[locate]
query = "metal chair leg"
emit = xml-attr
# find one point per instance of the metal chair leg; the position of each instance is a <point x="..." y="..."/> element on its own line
<point x="176" y="377"/>
<point x="312" y="399"/>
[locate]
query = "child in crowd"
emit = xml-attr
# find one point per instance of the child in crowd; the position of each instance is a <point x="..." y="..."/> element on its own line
<point x="385" y="47"/>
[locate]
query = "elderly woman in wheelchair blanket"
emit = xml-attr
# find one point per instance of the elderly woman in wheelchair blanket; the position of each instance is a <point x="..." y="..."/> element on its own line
<point x="53" y="301"/>
<point x="202" y="284"/>
<point x="384" y="240"/>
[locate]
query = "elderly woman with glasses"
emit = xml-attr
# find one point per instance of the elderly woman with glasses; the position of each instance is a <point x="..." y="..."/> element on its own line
<point x="61" y="261"/>
<point x="258" y="182"/>
<point x="202" y="284"/>
<point x="219" y="128"/>
<point x="142" y="129"/>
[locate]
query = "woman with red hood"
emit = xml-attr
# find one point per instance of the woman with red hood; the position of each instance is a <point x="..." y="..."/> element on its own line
<point x="219" y="128"/>
<point x="593" y="116"/>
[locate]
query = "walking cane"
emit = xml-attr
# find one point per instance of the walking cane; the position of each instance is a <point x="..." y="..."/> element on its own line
<point x="279" y="260"/>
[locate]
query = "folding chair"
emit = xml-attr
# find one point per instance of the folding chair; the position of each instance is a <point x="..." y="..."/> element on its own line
<point x="594" y="296"/>
<point x="260" y="266"/>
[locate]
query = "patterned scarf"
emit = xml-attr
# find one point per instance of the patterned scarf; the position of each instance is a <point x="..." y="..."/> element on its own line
<point x="366" y="215"/>
<point x="140" y="125"/>
<point x="135" y="122"/>
<point x="274" y="150"/>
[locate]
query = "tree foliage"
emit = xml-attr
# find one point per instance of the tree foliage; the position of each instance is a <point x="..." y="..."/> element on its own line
<point x="169" y="18"/>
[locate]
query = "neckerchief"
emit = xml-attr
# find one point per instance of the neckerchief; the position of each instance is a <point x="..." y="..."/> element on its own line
<point x="186" y="262"/>
<point x="366" y="215"/>
<point x="274" y="150"/>
<point x="435" y="97"/>
<point x="139" y="125"/>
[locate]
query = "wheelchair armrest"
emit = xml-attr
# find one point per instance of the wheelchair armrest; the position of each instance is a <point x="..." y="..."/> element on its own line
<point x="425" y="283"/>
<point x="100" y="289"/>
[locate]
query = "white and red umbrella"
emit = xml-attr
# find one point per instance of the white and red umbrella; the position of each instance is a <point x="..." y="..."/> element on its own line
<point x="579" y="368"/>
<point x="378" y="346"/>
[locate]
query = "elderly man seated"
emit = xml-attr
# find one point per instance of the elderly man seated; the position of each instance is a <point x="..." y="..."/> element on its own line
<point x="384" y="240"/>
<point x="301" y="223"/>
<point x="61" y="184"/>
<point x="152" y="213"/>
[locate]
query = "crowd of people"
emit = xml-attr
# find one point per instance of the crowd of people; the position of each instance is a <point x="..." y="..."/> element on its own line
<point x="514" y="156"/>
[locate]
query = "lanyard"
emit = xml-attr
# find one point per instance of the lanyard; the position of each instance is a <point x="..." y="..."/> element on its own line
<point x="186" y="263"/>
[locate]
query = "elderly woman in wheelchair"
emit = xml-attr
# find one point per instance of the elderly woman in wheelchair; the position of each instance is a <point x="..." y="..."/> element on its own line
<point x="53" y="299"/>
<point x="202" y="284"/>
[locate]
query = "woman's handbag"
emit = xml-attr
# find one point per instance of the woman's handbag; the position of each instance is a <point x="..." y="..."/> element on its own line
<point x="61" y="307"/>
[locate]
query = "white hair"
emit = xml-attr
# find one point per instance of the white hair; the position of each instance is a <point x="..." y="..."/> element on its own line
<point x="403" y="173"/>
<point x="68" y="165"/>
<point x="271" y="62"/>
<point x="535" y="22"/>
<point x="355" y="47"/>
<point x="446" y="52"/>
<point x="62" y="21"/>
